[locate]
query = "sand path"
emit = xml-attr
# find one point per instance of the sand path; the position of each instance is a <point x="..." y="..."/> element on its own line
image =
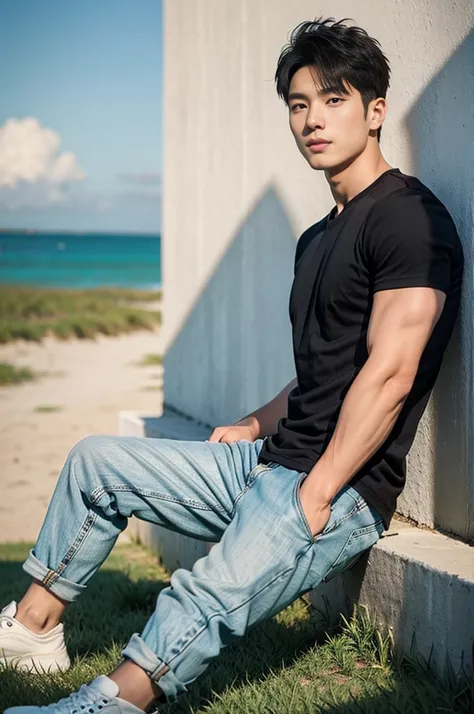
<point x="91" y="381"/>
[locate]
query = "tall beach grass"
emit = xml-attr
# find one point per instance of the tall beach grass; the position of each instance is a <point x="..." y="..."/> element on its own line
<point x="32" y="313"/>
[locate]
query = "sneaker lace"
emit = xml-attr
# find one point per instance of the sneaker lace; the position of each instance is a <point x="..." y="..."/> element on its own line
<point x="85" y="701"/>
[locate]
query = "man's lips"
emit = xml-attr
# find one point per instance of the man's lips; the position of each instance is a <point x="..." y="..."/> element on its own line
<point x="317" y="142"/>
<point x="317" y="147"/>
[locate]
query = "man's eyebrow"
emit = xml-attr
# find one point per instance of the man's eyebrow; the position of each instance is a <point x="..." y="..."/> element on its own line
<point x="321" y="92"/>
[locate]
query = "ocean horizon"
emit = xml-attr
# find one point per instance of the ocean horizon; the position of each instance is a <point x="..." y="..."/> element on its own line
<point x="80" y="260"/>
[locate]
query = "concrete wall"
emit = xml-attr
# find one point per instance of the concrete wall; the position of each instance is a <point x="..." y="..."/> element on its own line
<point x="237" y="194"/>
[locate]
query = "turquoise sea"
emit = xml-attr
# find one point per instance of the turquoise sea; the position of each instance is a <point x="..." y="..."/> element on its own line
<point x="80" y="261"/>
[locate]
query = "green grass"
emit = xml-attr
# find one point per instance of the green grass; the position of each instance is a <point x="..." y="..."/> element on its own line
<point x="32" y="313"/>
<point x="287" y="665"/>
<point x="9" y="374"/>
<point x="151" y="359"/>
<point x="47" y="408"/>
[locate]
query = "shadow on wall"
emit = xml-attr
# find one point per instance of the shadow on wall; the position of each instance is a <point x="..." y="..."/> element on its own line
<point x="441" y="129"/>
<point x="430" y="614"/>
<point x="237" y="334"/>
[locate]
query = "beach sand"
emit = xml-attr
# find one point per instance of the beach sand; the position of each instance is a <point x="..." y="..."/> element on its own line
<point x="91" y="381"/>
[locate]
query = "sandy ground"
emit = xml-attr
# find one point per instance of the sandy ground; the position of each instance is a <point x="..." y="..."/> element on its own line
<point x="91" y="381"/>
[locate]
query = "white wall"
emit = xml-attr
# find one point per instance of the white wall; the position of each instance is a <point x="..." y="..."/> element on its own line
<point x="237" y="194"/>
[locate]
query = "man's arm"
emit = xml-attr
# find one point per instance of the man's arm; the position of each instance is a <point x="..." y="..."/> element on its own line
<point x="264" y="421"/>
<point x="401" y="323"/>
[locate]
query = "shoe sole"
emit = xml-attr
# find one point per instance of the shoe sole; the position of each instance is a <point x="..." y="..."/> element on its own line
<point x="28" y="663"/>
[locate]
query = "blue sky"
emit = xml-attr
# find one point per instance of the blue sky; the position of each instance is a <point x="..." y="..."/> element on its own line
<point x="81" y="114"/>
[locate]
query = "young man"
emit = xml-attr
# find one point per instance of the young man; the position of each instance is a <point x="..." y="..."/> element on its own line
<point x="293" y="493"/>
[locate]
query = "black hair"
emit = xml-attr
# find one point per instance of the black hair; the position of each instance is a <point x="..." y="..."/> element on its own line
<point x="340" y="54"/>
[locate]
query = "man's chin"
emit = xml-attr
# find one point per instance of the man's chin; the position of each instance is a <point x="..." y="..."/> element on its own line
<point x="321" y="163"/>
<point x="329" y="164"/>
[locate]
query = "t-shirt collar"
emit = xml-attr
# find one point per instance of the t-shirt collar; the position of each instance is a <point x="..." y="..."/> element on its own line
<point x="332" y="217"/>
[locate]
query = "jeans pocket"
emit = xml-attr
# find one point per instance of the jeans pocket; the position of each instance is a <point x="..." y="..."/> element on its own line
<point x="357" y="542"/>
<point x="254" y="473"/>
<point x="344" y="506"/>
<point x="302" y="515"/>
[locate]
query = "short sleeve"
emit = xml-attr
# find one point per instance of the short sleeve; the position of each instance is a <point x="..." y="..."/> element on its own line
<point x="409" y="240"/>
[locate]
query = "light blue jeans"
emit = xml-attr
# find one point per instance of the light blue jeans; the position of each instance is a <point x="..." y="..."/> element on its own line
<point x="264" y="558"/>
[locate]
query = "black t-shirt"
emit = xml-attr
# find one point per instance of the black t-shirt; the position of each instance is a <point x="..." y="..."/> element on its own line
<point x="393" y="234"/>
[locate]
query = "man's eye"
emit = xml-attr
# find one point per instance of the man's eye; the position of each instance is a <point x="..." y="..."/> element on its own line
<point x="295" y="106"/>
<point x="335" y="99"/>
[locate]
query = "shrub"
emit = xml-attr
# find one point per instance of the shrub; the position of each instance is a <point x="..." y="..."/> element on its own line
<point x="9" y="374"/>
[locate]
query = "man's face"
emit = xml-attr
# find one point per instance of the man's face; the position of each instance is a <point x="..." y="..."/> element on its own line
<point x="337" y="118"/>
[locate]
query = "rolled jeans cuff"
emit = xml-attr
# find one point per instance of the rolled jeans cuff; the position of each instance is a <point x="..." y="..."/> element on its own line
<point x="139" y="652"/>
<point x="51" y="580"/>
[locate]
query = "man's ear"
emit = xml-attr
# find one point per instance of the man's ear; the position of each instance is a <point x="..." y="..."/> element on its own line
<point x="377" y="111"/>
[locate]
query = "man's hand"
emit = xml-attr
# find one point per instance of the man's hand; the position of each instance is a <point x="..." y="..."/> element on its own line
<point x="245" y="430"/>
<point x="317" y="509"/>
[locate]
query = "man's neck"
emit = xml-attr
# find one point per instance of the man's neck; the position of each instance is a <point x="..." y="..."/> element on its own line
<point x="347" y="181"/>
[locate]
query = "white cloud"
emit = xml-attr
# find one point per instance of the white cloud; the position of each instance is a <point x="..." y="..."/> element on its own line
<point x="32" y="171"/>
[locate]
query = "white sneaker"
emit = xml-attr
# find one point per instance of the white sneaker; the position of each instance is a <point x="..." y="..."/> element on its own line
<point x="21" y="648"/>
<point x="98" y="697"/>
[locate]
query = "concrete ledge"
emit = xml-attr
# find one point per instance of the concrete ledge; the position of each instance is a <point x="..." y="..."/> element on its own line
<point x="416" y="582"/>
<point x="167" y="425"/>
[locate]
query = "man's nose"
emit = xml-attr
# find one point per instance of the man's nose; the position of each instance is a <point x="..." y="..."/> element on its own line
<point x="315" y="120"/>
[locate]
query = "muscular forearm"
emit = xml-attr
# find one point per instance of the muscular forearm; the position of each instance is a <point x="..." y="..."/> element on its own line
<point x="367" y="416"/>
<point x="264" y="420"/>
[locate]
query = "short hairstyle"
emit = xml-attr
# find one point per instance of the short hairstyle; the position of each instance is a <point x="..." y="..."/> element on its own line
<point x="339" y="54"/>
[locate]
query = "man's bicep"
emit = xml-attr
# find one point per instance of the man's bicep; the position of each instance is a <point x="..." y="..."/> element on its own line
<point x="401" y="323"/>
